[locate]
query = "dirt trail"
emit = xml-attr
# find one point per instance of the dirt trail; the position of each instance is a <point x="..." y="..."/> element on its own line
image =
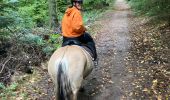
<point x="108" y="80"/>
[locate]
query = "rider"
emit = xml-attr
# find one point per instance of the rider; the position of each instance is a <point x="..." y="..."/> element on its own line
<point x="73" y="28"/>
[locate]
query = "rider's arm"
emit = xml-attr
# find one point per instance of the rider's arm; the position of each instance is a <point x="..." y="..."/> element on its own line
<point x="77" y="23"/>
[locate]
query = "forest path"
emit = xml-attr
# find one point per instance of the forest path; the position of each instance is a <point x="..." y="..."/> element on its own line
<point x="109" y="79"/>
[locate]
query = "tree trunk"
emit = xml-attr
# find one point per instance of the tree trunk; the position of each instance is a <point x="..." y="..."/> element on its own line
<point x="53" y="14"/>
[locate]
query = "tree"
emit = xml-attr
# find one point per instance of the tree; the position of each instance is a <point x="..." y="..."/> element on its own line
<point x="6" y="19"/>
<point x="53" y="14"/>
<point x="158" y="9"/>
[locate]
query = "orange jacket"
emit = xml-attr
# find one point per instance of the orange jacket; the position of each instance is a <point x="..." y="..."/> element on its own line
<point x="72" y="23"/>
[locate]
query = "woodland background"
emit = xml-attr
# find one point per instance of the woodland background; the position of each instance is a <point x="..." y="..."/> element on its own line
<point x="29" y="31"/>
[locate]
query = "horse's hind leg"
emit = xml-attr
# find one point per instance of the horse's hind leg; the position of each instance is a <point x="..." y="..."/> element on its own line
<point x="75" y="94"/>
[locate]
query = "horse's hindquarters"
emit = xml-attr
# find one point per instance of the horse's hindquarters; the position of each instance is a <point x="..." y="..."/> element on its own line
<point x="75" y="64"/>
<point x="89" y="63"/>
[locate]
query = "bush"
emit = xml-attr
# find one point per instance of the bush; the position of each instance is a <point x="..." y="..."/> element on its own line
<point x="157" y="9"/>
<point x="8" y="91"/>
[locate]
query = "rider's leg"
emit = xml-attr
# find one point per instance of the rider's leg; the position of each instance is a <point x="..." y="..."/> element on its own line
<point x="88" y="40"/>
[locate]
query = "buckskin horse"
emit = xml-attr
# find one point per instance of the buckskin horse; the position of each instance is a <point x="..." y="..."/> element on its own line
<point x="68" y="66"/>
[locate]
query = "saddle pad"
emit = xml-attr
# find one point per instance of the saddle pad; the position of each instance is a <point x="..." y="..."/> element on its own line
<point x="88" y="50"/>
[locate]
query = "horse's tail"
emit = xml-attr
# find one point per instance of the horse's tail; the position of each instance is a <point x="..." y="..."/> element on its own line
<point x="64" y="85"/>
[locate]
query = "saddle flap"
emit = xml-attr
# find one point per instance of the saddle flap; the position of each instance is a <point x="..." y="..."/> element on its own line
<point x="88" y="50"/>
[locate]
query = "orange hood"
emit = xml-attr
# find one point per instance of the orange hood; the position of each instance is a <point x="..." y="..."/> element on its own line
<point x="72" y="23"/>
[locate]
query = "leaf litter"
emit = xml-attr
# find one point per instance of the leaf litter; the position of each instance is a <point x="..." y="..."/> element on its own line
<point x="148" y="59"/>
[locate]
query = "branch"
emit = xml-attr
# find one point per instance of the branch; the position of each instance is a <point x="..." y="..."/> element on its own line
<point x="3" y="66"/>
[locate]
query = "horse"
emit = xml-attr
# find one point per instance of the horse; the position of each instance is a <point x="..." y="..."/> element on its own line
<point x="68" y="67"/>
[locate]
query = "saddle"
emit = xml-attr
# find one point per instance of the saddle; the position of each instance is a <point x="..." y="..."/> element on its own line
<point x="76" y="42"/>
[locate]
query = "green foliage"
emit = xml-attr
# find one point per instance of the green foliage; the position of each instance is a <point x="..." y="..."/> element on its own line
<point x="5" y="14"/>
<point x="7" y="19"/>
<point x="47" y="46"/>
<point x="2" y="86"/>
<point x="19" y="15"/>
<point x="62" y="5"/>
<point x="97" y="4"/>
<point x="54" y="42"/>
<point x="8" y="91"/>
<point x="53" y="38"/>
<point x="91" y="15"/>
<point x="19" y="20"/>
<point x="25" y="15"/>
<point x="155" y="8"/>
<point x="33" y="13"/>
<point x="31" y="39"/>
<point x="48" y="50"/>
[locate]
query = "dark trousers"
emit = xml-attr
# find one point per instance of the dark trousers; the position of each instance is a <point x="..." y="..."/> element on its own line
<point x="85" y="39"/>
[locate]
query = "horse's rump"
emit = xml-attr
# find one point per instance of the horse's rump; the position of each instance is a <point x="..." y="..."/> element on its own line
<point x="68" y="66"/>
